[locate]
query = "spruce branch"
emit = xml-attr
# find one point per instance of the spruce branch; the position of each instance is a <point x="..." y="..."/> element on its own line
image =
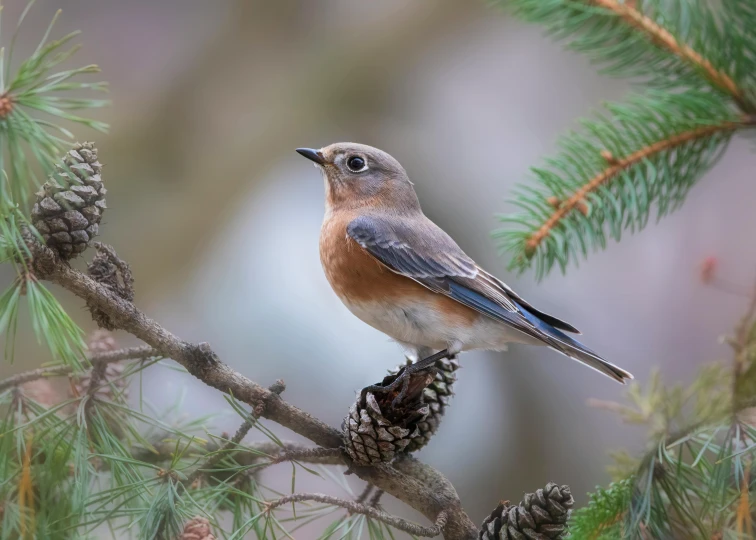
<point x="647" y="152"/>
<point x="358" y="508"/>
<point x="615" y="165"/>
<point x="653" y="40"/>
<point x="697" y="62"/>
<point x="602" y="518"/>
<point x="662" y="37"/>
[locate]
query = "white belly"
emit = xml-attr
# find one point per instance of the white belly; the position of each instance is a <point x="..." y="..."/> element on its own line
<point x="415" y="324"/>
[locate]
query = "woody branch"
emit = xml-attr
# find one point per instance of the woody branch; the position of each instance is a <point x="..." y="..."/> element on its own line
<point x="416" y="484"/>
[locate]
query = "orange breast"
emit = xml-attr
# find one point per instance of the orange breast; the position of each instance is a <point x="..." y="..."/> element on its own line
<point x="357" y="277"/>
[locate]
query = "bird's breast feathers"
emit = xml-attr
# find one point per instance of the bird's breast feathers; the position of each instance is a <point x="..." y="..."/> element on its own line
<point x="394" y="304"/>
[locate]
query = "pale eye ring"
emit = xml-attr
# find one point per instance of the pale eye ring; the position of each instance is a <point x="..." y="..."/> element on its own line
<point x="356" y="164"/>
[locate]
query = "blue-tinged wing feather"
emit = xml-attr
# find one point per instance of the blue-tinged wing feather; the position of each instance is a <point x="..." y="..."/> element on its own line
<point x="529" y="324"/>
<point x="421" y="251"/>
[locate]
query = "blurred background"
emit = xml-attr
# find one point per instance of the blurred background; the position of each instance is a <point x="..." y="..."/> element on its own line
<point x="219" y="217"/>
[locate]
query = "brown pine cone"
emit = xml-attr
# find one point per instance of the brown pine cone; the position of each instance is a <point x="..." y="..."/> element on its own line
<point x="70" y="204"/>
<point x="377" y="428"/>
<point x="437" y="395"/>
<point x="197" y="528"/>
<point x="541" y="515"/>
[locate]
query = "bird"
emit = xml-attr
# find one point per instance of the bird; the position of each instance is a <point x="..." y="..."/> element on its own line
<point x="402" y="274"/>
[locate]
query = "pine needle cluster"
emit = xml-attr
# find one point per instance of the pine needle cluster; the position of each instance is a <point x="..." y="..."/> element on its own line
<point x="39" y="103"/>
<point x="696" y="478"/>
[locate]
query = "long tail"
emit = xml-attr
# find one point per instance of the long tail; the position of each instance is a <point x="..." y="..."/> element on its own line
<point x="572" y="348"/>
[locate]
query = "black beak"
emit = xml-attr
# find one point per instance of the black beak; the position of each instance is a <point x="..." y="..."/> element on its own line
<point x="312" y="155"/>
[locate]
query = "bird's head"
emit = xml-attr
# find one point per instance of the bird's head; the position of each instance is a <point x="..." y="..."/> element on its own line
<point x="357" y="175"/>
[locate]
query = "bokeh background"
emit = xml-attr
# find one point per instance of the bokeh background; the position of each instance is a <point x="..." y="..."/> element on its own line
<point x="219" y="217"/>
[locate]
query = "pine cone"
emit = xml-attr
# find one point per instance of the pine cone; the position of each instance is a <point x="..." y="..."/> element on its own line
<point x="541" y="515"/>
<point x="437" y="396"/>
<point x="197" y="528"/>
<point x="376" y="429"/>
<point x="70" y="204"/>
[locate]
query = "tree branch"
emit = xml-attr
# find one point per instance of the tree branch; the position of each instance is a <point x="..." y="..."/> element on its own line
<point x="370" y="511"/>
<point x="203" y="363"/>
<point x="132" y="353"/>
<point x="617" y="165"/>
<point x="663" y="38"/>
<point x="215" y="457"/>
<point x="248" y="454"/>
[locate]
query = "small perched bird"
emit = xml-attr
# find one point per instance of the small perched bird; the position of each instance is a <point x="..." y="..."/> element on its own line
<point x="402" y="274"/>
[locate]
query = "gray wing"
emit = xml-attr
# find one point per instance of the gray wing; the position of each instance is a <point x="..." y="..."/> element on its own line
<point x="420" y="250"/>
<point x="417" y="252"/>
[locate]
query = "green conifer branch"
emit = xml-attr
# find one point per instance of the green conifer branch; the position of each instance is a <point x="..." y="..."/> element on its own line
<point x="604" y="516"/>
<point x="661" y="37"/>
<point x="699" y="79"/>
<point x="647" y="152"/>
<point x="695" y="479"/>
<point x="36" y="105"/>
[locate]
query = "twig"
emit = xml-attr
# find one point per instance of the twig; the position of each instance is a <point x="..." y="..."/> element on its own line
<point x="617" y="165"/>
<point x="358" y="508"/>
<point x="663" y="38"/>
<point x="365" y="494"/>
<point x="429" y="496"/>
<point x="305" y="454"/>
<point x="376" y="498"/>
<point x="277" y="454"/>
<point x="98" y="374"/>
<point x="245" y="455"/>
<point x="132" y="353"/>
<point x="215" y="457"/>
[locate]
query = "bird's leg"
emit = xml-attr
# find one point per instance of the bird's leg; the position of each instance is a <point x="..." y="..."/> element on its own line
<point x="403" y="378"/>
<point x="428" y="361"/>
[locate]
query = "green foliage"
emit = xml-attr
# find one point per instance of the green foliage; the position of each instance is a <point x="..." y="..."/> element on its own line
<point x="53" y="325"/>
<point x="609" y="41"/>
<point x="625" y="198"/>
<point x="39" y="102"/>
<point x="604" y="515"/>
<point x="29" y="138"/>
<point x="738" y="20"/>
<point x="695" y="479"/>
<point x="87" y="464"/>
<point x="697" y="79"/>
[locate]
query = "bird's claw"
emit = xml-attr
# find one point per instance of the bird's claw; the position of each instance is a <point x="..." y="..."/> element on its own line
<point x="404" y="377"/>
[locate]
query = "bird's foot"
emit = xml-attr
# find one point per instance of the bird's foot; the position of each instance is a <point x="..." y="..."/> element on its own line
<point x="404" y="377"/>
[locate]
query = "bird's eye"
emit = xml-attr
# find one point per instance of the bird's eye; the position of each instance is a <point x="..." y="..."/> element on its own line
<point x="356" y="164"/>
